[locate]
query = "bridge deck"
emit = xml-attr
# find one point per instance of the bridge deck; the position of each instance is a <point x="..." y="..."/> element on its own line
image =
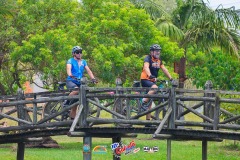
<point x="108" y="132"/>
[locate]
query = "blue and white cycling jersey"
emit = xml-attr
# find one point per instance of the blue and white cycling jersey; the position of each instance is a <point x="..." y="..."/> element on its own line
<point x="77" y="69"/>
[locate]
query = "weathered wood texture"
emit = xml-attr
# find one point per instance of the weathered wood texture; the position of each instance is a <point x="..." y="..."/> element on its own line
<point x="31" y="114"/>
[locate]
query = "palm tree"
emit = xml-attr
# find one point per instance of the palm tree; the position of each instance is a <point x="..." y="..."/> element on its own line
<point x="195" y="24"/>
<point x="205" y="28"/>
<point x="153" y="9"/>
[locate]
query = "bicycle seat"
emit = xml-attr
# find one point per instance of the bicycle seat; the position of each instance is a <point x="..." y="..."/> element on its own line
<point x="136" y="84"/>
<point x="61" y="83"/>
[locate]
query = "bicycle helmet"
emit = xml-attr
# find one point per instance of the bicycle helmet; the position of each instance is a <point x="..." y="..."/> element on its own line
<point x="155" y="47"/>
<point x="76" y="48"/>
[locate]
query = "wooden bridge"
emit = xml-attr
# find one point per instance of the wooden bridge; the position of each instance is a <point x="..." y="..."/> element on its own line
<point x="114" y="113"/>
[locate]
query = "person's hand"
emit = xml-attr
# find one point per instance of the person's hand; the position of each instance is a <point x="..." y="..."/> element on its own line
<point x="94" y="81"/>
<point x="152" y="78"/>
<point x="171" y="80"/>
<point x="73" y="77"/>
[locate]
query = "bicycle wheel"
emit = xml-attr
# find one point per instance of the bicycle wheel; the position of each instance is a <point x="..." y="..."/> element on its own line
<point x="159" y="112"/>
<point x="135" y="105"/>
<point x="94" y="111"/>
<point x="51" y="108"/>
<point x="121" y="105"/>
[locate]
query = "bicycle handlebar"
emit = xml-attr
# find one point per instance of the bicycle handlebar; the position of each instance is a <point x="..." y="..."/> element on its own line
<point x="84" y="80"/>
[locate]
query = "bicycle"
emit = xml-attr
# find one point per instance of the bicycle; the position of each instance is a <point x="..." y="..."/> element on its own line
<point x="51" y="108"/>
<point x="121" y="104"/>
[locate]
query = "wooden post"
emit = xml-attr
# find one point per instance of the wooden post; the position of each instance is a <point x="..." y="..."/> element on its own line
<point x="20" y="114"/>
<point x="169" y="149"/>
<point x="116" y="140"/>
<point x="20" y="150"/>
<point x="87" y="141"/>
<point x="82" y="102"/>
<point x="173" y="105"/>
<point x="171" y="122"/>
<point x="87" y="148"/>
<point x="207" y="112"/>
<point x="204" y="150"/>
<point x="216" y="111"/>
<point x="118" y="83"/>
<point x="35" y="110"/>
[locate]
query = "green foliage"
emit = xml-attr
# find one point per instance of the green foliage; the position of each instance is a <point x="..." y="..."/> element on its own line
<point x="114" y="35"/>
<point x="36" y="30"/>
<point x="117" y="37"/>
<point x="231" y="107"/>
<point x="45" y="55"/>
<point x="205" y="28"/>
<point x="223" y="70"/>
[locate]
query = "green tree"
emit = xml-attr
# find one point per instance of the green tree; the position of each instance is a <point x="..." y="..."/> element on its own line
<point x="117" y="35"/>
<point x="223" y="70"/>
<point x="198" y="29"/>
<point x="114" y="35"/>
<point x="6" y="7"/>
<point x="43" y="55"/>
<point x="30" y="20"/>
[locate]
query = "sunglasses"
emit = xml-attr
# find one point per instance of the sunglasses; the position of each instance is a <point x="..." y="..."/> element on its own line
<point x="157" y="50"/>
<point x="78" y="52"/>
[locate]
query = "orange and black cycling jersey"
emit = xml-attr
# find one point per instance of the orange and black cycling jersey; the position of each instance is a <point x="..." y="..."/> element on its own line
<point x="154" y="66"/>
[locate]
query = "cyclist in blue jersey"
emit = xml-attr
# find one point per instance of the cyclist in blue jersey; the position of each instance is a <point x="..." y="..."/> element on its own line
<point x="75" y="70"/>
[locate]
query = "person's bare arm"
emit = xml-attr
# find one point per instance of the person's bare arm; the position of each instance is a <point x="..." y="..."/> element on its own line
<point x="69" y="68"/>
<point x="146" y="68"/>
<point x="89" y="72"/>
<point x="165" y="71"/>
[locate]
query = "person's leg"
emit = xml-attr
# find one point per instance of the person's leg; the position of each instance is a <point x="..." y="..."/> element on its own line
<point x="147" y="102"/>
<point x="73" y="109"/>
<point x="148" y="116"/>
<point x="71" y="85"/>
<point x="150" y="92"/>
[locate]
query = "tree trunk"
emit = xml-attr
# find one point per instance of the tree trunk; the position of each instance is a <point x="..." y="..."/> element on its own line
<point x="180" y="68"/>
<point x="182" y="72"/>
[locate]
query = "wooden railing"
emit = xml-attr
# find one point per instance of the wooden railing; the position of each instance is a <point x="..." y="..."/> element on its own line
<point x="26" y="111"/>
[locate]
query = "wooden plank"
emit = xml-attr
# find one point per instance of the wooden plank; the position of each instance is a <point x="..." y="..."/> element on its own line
<point x="160" y="127"/>
<point x="106" y="109"/>
<point x="188" y="111"/>
<point x="42" y="100"/>
<point x="197" y="113"/>
<point x="57" y="114"/>
<point x="76" y="119"/>
<point x="15" y="119"/>
<point x="162" y="105"/>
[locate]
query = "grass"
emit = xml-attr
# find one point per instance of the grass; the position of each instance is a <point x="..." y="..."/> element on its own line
<point x="71" y="148"/>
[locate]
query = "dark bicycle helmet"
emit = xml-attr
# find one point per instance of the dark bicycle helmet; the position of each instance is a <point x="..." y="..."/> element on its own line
<point x="76" y="48"/>
<point x="155" y="47"/>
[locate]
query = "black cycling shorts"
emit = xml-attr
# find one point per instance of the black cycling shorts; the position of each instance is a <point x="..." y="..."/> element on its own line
<point x="147" y="83"/>
<point x="72" y="85"/>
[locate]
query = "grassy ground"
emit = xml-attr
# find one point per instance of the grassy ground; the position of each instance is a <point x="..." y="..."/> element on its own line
<point x="71" y="148"/>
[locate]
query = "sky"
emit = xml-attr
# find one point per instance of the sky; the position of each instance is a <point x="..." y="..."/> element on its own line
<point x="226" y="3"/>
